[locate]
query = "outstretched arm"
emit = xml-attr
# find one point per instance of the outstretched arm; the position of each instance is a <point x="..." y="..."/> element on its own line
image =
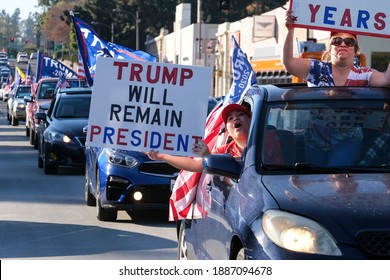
<point x="298" y="67"/>
<point x="185" y="163"/>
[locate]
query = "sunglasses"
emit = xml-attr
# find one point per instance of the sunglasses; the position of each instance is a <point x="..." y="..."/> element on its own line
<point x="349" y="42"/>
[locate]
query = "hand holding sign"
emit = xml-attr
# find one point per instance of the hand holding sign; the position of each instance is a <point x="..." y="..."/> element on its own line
<point x="359" y="16"/>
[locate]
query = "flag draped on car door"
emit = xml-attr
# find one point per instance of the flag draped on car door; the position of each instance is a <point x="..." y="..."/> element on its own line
<point x="182" y="203"/>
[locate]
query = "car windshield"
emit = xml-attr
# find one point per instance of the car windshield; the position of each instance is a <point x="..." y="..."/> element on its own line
<point x="22" y="92"/>
<point x="293" y="128"/>
<point x="47" y="90"/>
<point x="75" y="107"/>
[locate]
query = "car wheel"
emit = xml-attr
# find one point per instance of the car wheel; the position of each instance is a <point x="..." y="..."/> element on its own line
<point x="32" y="139"/>
<point x="89" y="198"/>
<point x="9" y="119"/>
<point x="36" y="141"/>
<point x="27" y="131"/>
<point x="240" y="255"/>
<point x="47" y="167"/>
<point x="14" y="121"/>
<point x="182" y="244"/>
<point x="40" y="160"/>
<point x="103" y="214"/>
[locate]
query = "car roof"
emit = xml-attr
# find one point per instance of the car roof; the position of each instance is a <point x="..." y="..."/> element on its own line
<point x="303" y="92"/>
<point x="75" y="90"/>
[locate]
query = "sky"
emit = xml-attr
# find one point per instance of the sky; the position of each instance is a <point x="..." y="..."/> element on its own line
<point x="25" y="6"/>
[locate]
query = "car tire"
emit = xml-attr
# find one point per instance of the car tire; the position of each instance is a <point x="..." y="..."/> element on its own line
<point x="103" y="214"/>
<point x="27" y="131"/>
<point x="32" y="140"/>
<point x="88" y="196"/>
<point x="48" y="168"/>
<point x="240" y="255"/>
<point x="40" y="160"/>
<point x="182" y="253"/>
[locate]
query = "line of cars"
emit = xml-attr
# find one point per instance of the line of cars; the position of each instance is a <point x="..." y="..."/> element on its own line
<point x="115" y="180"/>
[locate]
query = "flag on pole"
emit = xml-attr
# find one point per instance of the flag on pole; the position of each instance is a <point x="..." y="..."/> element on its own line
<point x="48" y="67"/>
<point x="91" y="46"/>
<point x="182" y="204"/>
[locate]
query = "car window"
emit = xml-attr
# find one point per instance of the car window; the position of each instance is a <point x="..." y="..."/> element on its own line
<point x="73" y="108"/>
<point x="47" y="90"/>
<point x="290" y="126"/>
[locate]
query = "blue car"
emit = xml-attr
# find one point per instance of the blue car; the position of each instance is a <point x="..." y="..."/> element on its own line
<point x="126" y="180"/>
<point x="277" y="203"/>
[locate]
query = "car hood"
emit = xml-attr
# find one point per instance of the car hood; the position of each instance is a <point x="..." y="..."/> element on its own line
<point x="69" y="126"/>
<point x="353" y="201"/>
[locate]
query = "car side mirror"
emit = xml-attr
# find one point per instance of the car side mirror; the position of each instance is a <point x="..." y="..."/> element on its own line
<point x="222" y="165"/>
<point x="40" y="116"/>
<point x="27" y="98"/>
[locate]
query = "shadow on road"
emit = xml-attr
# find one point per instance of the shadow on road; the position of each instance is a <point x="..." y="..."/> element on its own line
<point x="56" y="240"/>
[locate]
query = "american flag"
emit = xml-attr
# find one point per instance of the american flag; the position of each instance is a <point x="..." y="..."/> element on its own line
<point x="80" y="68"/>
<point x="62" y="82"/>
<point x="182" y="203"/>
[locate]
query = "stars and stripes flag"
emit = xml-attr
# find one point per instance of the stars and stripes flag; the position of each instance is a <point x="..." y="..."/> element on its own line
<point x="91" y="46"/>
<point x="182" y="203"/>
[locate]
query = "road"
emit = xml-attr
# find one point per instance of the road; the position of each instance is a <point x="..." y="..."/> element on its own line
<point x="45" y="217"/>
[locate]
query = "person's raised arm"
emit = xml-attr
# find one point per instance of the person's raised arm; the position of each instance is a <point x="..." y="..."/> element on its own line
<point x="296" y="66"/>
<point x="380" y="79"/>
<point x="185" y="163"/>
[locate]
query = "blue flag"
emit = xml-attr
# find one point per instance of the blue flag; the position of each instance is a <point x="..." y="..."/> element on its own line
<point x="48" y="67"/>
<point x="91" y="46"/>
<point x="243" y="75"/>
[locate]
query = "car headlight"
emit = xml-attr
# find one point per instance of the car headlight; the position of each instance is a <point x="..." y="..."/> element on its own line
<point x="119" y="158"/>
<point x="60" y="137"/>
<point x="297" y="233"/>
<point x="20" y="106"/>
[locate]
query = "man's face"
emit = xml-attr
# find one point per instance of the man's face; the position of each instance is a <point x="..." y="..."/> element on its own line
<point x="237" y="124"/>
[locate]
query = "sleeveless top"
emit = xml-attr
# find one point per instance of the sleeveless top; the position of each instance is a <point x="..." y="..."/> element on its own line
<point x="320" y="75"/>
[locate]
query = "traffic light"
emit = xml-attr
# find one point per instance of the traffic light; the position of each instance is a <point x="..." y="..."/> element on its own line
<point x="224" y="4"/>
<point x="11" y="39"/>
<point x="26" y="41"/>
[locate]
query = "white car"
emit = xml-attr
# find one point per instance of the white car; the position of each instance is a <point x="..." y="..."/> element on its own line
<point x="22" y="58"/>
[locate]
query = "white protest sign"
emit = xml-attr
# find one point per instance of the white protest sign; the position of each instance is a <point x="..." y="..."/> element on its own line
<point x="141" y="106"/>
<point x="364" y="17"/>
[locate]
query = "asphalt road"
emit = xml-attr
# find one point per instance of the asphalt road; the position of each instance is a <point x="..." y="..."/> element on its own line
<point x="45" y="217"/>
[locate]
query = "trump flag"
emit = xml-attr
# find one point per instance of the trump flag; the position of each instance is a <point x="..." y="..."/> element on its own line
<point x="91" y="46"/>
<point x="182" y="203"/>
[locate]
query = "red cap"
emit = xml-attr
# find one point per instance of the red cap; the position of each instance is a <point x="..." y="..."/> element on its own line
<point x="233" y="107"/>
<point x="333" y="33"/>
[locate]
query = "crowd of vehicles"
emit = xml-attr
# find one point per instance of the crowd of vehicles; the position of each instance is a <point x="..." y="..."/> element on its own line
<point x="252" y="208"/>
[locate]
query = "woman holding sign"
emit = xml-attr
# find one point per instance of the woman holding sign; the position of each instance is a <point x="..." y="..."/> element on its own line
<point x="336" y="67"/>
<point x="237" y="121"/>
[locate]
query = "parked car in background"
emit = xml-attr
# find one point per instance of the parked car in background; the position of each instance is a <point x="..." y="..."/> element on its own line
<point x="33" y="55"/>
<point x="60" y="136"/>
<point x="41" y="97"/>
<point x="22" y="58"/>
<point x="268" y="207"/>
<point x="16" y="107"/>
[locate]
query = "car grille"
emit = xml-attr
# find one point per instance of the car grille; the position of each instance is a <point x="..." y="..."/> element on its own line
<point x="158" y="168"/>
<point x="152" y="193"/>
<point x="376" y="244"/>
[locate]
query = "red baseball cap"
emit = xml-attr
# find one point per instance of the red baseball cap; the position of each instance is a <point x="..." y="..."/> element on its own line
<point x="333" y="33"/>
<point x="234" y="107"/>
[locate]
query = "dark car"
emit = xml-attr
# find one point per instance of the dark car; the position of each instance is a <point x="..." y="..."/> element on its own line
<point x="60" y="137"/>
<point x="260" y="208"/>
<point x="42" y="96"/>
